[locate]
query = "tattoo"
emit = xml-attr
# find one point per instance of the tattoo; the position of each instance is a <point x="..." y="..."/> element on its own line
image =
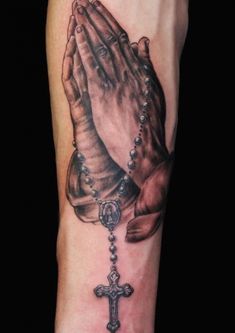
<point x="113" y="292"/>
<point x="120" y="169"/>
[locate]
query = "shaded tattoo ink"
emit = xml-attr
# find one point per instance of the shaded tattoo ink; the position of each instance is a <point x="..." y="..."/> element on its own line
<point x="113" y="292"/>
<point x="118" y="112"/>
<point x="120" y="169"/>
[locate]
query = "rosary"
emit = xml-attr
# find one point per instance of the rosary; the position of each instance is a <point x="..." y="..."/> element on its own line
<point x="110" y="215"/>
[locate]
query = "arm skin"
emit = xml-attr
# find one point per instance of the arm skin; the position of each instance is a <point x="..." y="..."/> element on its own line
<point x="91" y="108"/>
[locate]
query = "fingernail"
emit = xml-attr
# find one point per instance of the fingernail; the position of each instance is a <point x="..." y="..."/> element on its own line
<point x="147" y="41"/>
<point x="80" y="9"/>
<point x="96" y="3"/>
<point x="79" y="28"/>
<point x="74" y="5"/>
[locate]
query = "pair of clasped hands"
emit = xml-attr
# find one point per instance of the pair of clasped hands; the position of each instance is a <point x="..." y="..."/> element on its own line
<point x="104" y="77"/>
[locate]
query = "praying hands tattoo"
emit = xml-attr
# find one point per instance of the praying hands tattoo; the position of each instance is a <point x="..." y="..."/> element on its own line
<point x="118" y="111"/>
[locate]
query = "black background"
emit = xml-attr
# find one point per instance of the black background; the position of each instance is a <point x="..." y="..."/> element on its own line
<point x="186" y="289"/>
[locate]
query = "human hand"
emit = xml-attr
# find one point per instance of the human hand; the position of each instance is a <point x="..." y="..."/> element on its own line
<point x="118" y="81"/>
<point x="120" y="75"/>
<point x="90" y="151"/>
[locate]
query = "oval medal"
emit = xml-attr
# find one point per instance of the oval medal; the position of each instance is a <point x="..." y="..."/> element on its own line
<point x="109" y="214"/>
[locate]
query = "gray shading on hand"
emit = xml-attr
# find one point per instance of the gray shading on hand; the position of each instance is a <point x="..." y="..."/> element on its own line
<point x="104" y="77"/>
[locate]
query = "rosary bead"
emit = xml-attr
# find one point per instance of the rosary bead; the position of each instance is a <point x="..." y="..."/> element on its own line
<point x="112" y="238"/>
<point x="145" y="104"/>
<point x="147" y="80"/>
<point x="84" y="169"/>
<point x="133" y="153"/>
<point x="131" y="165"/>
<point x="146" y="93"/>
<point x="146" y="67"/>
<point x="113" y="257"/>
<point x="88" y="180"/>
<point x="80" y="157"/>
<point x="122" y="188"/>
<point x="126" y="179"/>
<point x="138" y="140"/>
<point x="112" y="248"/>
<point x="143" y="119"/>
<point x="94" y="193"/>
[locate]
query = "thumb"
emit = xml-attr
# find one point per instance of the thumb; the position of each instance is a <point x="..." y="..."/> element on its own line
<point x="151" y="203"/>
<point x="143" y="49"/>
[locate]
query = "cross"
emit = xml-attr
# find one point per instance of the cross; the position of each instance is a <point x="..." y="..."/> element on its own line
<point x="113" y="292"/>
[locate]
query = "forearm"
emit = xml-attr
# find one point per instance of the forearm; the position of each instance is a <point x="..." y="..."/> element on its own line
<point x="83" y="255"/>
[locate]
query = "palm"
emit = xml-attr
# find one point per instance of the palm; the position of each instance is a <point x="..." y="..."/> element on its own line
<point x="118" y="113"/>
<point x="90" y="151"/>
<point x="119" y="109"/>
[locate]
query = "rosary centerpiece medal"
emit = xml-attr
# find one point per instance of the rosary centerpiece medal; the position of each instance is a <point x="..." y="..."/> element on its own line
<point x="109" y="215"/>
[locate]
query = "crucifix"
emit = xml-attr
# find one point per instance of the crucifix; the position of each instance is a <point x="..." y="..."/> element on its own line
<point x="113" y="292"/>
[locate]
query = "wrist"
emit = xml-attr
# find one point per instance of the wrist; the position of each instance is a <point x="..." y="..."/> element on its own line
<point x="83" y="264"/>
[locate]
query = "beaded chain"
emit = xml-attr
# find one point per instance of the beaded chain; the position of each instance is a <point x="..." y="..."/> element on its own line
<point x="110" y="213"/>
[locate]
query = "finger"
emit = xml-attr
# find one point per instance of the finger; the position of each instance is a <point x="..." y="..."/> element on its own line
<point x="70" y="47"/>
<point x="83" y="3"/>
<point x="144" y="56"/>
<point x="71" y="91"/>
<point x="99" y="23"/>
<point x="130" y="56"/>
<point x="71" y="27"/>
<point x="79" y="73"/>
<point x="70" y="86"/>
<point x="68" y="60"/>
<point x="143" y="227"/>
<point x="108" y="37"/>
<point x="100" y="50"/>
<point x="122" y="35"/>
<point x="150" y="206"/>
<point x="135" y="48"/>
<point x="78" y="13"/>
<point x="91" y="66"/>
<point x="108" y="17"/>
<point x="74" y="6"/>
<point x="143" y="47"/>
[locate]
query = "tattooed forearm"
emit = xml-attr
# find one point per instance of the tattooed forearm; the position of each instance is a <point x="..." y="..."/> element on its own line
<point x="120" y="168"/>
<point x="118" y="112"/>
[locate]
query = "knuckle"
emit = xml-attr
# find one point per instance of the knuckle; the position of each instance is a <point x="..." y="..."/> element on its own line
<point x="101" y="50"/>
<point x="84" y="48"/>
<point x="78" y="70"/>
<point x="70" y="96"/>
<point x="91" y="63"/>
<point x="137" y="69"/>
<point x="111" y="39"/>
<point x="78" y="103"/>
<point x="123" y="38"/>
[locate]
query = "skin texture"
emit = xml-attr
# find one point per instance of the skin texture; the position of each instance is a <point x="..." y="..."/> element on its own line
<point x="82" y="248"/>
<point x="107" y="80"/>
